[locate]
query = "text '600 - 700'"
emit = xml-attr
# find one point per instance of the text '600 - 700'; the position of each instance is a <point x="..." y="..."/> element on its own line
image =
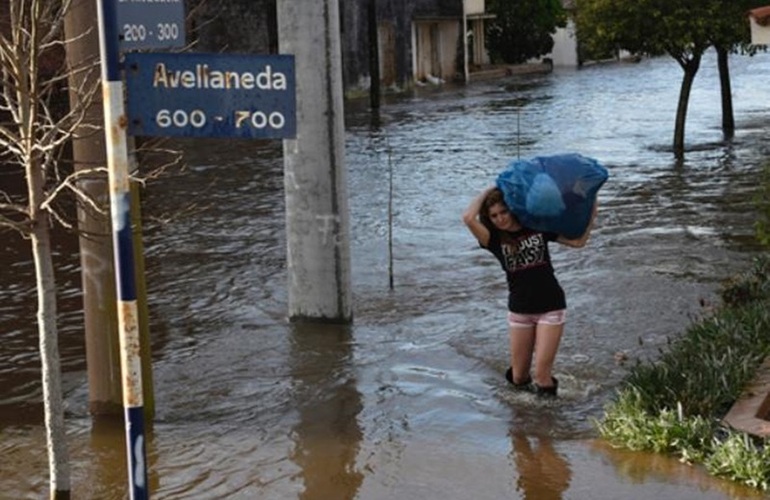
<point x="211" y="95"/>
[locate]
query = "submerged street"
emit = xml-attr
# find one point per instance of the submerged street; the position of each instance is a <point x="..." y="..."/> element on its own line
<point x="409" y="401"/>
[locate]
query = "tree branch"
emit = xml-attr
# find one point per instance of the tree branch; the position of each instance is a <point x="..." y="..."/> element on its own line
<point x="22" y="228"/>
<point x="80" y="194"/>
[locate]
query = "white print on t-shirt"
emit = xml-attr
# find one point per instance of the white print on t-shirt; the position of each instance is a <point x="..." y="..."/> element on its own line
<point x="523" y="253"/>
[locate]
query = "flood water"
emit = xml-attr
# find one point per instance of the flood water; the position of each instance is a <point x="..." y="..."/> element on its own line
<point x="409" y="401"/>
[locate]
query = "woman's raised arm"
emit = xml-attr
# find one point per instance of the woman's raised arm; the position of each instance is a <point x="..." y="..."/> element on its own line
<point x="471" y="217"/>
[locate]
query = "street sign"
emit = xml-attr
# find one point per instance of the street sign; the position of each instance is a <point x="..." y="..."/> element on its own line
<point x="211" y="95"/>
<point x="144" y="24"/>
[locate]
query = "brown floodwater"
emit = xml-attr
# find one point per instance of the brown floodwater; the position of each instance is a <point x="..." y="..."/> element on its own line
<point x="409" y="401"/>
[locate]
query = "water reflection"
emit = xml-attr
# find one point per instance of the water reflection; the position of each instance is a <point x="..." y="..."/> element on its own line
<point x="643" y="467"/>
<point x="106" y="449"/>
<point x="327" y="436"/>
<point x="543" y="473"/>
<point x="416" y="407"/>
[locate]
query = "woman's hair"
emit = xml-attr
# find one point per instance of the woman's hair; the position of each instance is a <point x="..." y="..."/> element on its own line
<point x="494" y="197"/>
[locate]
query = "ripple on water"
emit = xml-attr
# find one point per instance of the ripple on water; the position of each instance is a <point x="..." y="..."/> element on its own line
<point x="251" y="406"/>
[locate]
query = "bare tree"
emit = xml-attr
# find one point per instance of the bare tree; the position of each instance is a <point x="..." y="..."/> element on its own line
<point x="38" y="126"/>
<point x="34" y="129"/>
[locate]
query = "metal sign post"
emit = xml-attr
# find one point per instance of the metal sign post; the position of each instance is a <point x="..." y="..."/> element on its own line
<point x="129" y="24"/>
<point x="190" y="95"/>
<point x="134" y="29"/>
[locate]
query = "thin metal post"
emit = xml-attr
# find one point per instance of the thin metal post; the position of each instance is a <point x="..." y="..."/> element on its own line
<point x="115" y="123"/>
<point x="390" y="214"/>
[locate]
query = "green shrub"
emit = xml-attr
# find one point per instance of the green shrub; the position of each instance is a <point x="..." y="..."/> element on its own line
<point x="762" y="201"/>
<point x="674" y="404"/>
<point x="749" y="286"/>
<point x="705" y="370"/>
<point x="667" y="431"/>
<point x="741" y="459"/>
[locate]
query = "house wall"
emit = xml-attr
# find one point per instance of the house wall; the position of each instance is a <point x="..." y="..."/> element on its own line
<point x="435" y="49"/>
<point x="249" y="26"/>
<point x="355" y="43"/>
<point x="386" y="35"/>
<point x="475" y="7"/>
<point x="564" y="52"/>
<point x="393" y="46"/>
<point x="760" y="35"/>
<point x="759" y="20"/>
<point x="478" y="56"/>
<point x="396" y="19"/>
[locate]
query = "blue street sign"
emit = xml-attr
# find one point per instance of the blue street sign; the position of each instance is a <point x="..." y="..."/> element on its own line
<point x="211" y="95"/>
<point x="144" y="24"/>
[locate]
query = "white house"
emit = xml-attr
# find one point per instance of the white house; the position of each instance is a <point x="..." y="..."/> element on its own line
<point x="564" y="52"/>
<point x="760" y="25"/>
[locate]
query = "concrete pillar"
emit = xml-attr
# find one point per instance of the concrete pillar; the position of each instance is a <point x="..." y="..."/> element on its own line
<point x="96" y="256"/>
<point x="88" y="151"/>
<point x="317" y="220"/>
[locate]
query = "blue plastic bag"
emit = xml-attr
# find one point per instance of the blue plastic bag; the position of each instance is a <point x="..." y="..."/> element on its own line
<point x="553" y="193"/>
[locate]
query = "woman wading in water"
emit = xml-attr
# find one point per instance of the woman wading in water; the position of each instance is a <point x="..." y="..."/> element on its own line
<point x="536" y="303"/>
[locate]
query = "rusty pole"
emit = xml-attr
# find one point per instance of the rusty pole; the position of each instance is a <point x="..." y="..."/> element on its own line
<point x="115" y="125"/>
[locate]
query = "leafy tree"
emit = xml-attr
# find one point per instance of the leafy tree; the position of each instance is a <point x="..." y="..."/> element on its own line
<point x="681" y="29"/>
<point x="730" y="33"/>
<point x="523" y="29"/>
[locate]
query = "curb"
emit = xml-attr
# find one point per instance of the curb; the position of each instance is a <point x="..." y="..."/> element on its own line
<point x="751" y="412"/>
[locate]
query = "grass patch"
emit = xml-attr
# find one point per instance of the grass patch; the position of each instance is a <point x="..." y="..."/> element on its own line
<point x="762" y="201"/>
<point x="674" y="405"/>
<point x="741" y="459"/>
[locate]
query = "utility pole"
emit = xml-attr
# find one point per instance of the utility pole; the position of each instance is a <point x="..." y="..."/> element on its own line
<point x="115" y="122"/>
<point x="88" y="151"/>
<point x="96" y="255"/>
<point x="317" y="220"/>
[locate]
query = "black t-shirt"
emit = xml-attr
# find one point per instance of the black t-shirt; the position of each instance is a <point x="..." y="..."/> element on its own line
<point x="532" y="285"/>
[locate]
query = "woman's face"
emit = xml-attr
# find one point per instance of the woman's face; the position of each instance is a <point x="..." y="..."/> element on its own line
<point x="502" y="218"/>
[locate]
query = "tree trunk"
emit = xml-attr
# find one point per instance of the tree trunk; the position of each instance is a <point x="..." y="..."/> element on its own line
<point x="728" y="119"/>
<point x="58" y="455"/>
<point x="690" y="68"/>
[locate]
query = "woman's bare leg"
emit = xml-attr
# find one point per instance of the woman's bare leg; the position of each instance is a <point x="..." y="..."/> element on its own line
<point x="522" y="343"/>
<point x="547" y="339"/>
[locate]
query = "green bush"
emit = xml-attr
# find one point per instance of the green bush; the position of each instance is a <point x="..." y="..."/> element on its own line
<point x="667" y="431"/>
<point x="674" y="404"/>
<point x="705" y="370"/>
<point x="762" y="201"/>
<point x="741" y="459"/>
<point x="749" y="286"/>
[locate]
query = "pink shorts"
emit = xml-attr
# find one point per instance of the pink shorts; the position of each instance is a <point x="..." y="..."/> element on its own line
<point x="548" y="318"/>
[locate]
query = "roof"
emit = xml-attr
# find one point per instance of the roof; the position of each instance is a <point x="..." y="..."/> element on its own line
<point x="761" y="15"/>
